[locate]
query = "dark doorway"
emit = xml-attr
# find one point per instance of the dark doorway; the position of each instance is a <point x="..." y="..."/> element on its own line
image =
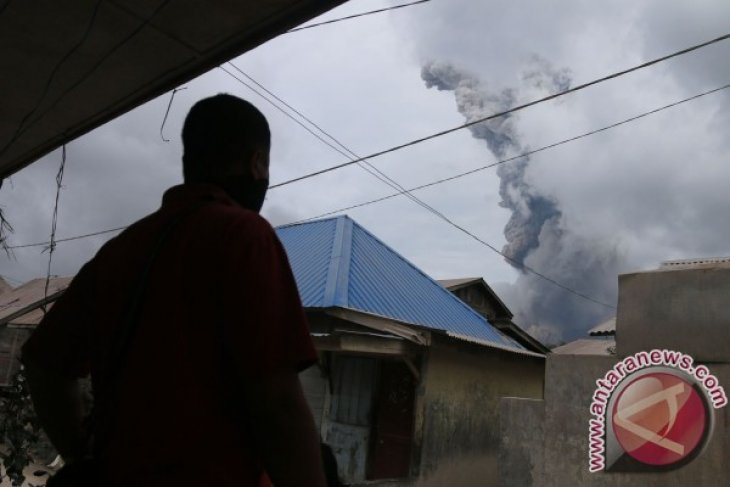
<point x="392" y="435"/>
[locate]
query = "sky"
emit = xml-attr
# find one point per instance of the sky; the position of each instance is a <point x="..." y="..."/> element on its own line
<point x="620" y="201"/>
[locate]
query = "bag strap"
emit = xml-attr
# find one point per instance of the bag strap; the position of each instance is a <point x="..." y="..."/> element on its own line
<point x="122" y="340"/>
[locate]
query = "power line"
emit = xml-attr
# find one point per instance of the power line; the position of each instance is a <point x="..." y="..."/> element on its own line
<point x="332" y="21"/>
<point x="52" y="245"/>
<point x="167" y="112"/>
<point x="69" y="239"/>
<point x="349" y="154"/>
<point x="519" y="156"/>
<point x="423" y="204"/>
<point x="506" y="112"/>
<point x="433" y="183"/>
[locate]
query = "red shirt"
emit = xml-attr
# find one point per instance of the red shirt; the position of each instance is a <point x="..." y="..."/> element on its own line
<point x="221" y="280"/>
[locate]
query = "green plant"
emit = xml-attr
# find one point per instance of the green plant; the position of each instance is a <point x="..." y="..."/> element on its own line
<point x="21" y="436"/>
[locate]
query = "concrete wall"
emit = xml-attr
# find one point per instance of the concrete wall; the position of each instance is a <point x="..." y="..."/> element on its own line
<point x="314" y="386"/>
<point x="521" y="452"/>
<point x="562" y="459"/>
<point x="462" y="388"/>
<point x="678" y="309"/>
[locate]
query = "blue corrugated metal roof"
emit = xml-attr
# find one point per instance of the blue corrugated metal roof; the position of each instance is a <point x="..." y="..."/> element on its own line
<point x="337" y="263"/>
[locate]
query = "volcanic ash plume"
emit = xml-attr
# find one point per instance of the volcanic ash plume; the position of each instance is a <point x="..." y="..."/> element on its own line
<point x="536" y="234"/>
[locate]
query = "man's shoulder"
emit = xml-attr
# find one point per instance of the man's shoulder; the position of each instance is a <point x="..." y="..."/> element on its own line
<point x="247" y="224"/>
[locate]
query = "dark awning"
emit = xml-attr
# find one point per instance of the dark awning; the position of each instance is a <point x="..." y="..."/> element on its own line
<point x="68" y="67"/>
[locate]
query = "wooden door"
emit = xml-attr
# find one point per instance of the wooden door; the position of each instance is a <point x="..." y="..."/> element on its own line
<point x="392" y="436"/>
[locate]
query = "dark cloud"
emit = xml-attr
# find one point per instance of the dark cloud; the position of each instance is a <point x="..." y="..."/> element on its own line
<point x="536" y="233"/>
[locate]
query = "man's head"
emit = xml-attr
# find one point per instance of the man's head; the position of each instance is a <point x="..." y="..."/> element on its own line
<point x="226" y="141"/>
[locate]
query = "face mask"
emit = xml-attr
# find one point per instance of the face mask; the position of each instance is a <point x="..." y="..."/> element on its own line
<point x="245" y="190"/>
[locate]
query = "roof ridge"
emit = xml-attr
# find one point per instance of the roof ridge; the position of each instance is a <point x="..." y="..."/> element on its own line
<point x="338" y="275"/>
<point x="307" y="222"/>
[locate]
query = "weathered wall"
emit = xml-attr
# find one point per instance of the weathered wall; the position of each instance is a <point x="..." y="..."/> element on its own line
<point x="463" y="384"/>
<point x="678" y="309"/>
<point x="314" y="386"/>
<point x="570" y="382"/>
<point x="478" y="300"/>
<point x="521" y="428"/>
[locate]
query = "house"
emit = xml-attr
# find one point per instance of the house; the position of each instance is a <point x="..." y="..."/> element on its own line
<point x="602" y="341"/>
<point x="475" y="292"/>
<point x="410" y="378"/>
<point x="4" y="286"/>
<point x="21" y="309"/>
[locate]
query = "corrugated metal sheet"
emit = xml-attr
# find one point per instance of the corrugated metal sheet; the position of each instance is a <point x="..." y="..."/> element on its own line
<point x="309" y="247"/>
<point x="587" y="346"/>
<point x="607" y="328"/>
<point x="337" y="263"/>
<point x="28" y="298"/>
<point x="4" y="286"/>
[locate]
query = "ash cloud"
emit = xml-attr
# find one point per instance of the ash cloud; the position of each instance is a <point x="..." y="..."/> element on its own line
<point x="537" y="234"/>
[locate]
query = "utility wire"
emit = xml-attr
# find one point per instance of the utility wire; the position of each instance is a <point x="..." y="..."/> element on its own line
<point x="52" y="244"/>
<point x="69" y="239"/>
<point x="506" y="112"/>
<point x="519" y="156"/>
<point x="341" y="149"/>
<point x="433" y="183"/>
<point x="167" y="112"/>
<point x="423" y="204"/>
<point x="332" y="21"/>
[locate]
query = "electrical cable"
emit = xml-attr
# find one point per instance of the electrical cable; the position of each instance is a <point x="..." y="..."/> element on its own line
<point x="519" y="156"/>
<point x="54" y="220"/>
<point x="332" y="21"/>
<point x="167" y="112"/>
<point x="69" y="239"/>
<point x="349" y="154"/>
<point x="428" y="207"/>
<point x="433" y="183"/>
<point x="503" y="113"/>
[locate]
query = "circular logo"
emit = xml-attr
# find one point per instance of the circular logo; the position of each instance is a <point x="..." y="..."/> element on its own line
<point x="660" y="419"/>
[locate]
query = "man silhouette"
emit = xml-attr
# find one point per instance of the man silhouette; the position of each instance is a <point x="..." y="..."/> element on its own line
<point x="205" y="391"/>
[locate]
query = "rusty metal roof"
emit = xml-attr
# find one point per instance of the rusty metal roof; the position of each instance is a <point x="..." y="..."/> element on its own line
<point x="4" y="286"/>
<point x="21" y="306"/>
<point x="588" y="346"/>
<point x="607" y="328"/>
<point x="20" y="309"/>
<point x="698" y="263"/>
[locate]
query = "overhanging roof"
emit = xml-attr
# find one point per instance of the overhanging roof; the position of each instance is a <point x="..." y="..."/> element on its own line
<point x="68" y="67"/>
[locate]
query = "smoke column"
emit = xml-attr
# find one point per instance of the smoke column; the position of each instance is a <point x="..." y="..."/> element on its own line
<point x="536" y="233"/>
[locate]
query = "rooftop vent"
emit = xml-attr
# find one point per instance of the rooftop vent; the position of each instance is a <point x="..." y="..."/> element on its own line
<point x="695" y="263"/>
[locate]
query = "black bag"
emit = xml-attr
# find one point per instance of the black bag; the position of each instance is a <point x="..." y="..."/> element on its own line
<point x="86" y="472"/>
<point x="83" y="473"/>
